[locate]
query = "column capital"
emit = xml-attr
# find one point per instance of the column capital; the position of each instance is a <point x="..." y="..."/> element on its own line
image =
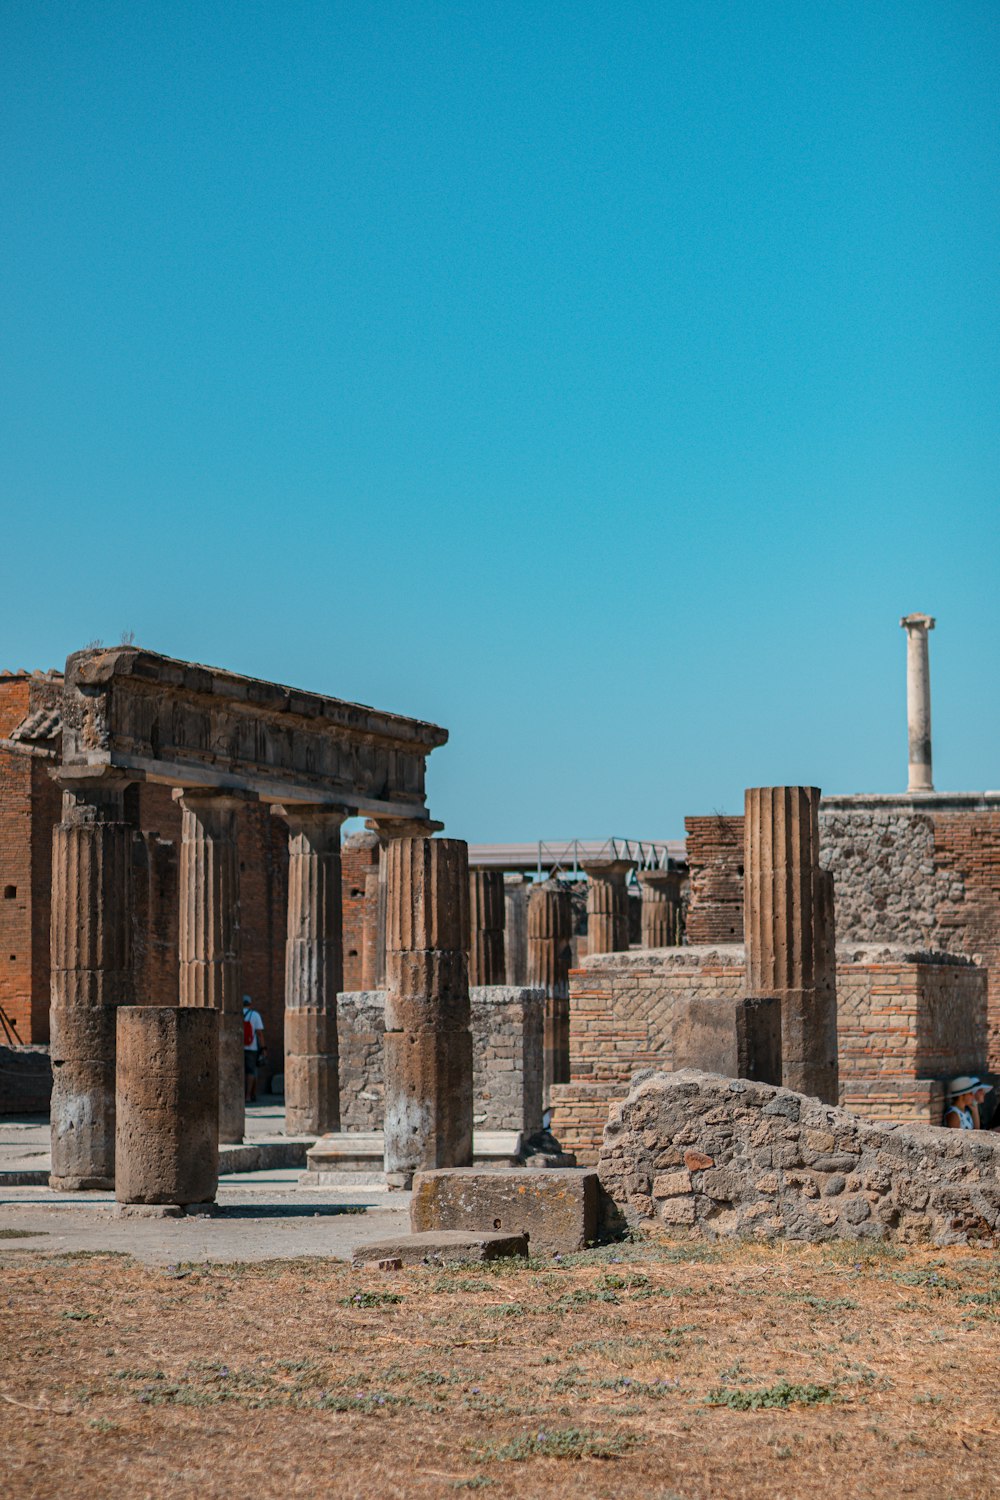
<point x="308" y="817"/>
<point x="659" y="880"/>
<point x="92" y="794"/>
<point x="918" y="622"/>
<point x="606" y="869"/>
<point x="212" y="798"/>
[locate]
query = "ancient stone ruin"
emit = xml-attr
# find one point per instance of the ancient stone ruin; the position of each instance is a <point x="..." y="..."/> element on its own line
<point x="698" y="1155"/>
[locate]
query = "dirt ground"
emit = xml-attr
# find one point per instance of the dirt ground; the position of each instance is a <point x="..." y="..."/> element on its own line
<point x="674" y="1371"/>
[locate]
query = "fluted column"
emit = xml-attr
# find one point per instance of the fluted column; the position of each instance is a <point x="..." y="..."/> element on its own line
<point x="386" y="830"/>
<point x="788" y="924"/>
<point x="209" y="944"/>
<point x="918" y="701"/>
<point x="550" y="923"/>
<point x="314" y="969"/>
<point x="91" y="953"/>
<point x="486" y="927"/>
<point x="607" y="905"/>
<point x="661" y="906"/>
<point x="428" y="1041"/>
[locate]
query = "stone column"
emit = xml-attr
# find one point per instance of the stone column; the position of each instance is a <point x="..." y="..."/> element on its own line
<point x="167" y="1148"/>
<point x="388" y="829"/>
<point x="486" y="927"/>
<point x="209" y="944"/>
<point x="314" y="969"/>
<point x="661" y="905"/>
<point x="607" y="905"/>
<point x="918" y="701"/>
<point x="788" y="925"/>
<point x="515" y="899"/>
<point x="91" y="953"/>
<point x="550" y="930"/>
<point x="428" y="1041"/>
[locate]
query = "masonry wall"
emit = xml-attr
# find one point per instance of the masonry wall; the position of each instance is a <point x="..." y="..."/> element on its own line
<point x="715" y="885"/>
<point x="359" y="862"/>
<point x="507" y="1058"/>
<point x="905" y="1022"/>
<point x="16" y="898"/>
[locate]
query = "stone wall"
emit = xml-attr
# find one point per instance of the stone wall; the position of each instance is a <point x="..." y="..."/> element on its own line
<point x="507" y="1042"/>
<point x="906" y="1020"/>
<point x="700" y="1156"/>
<point x="25" y="1080"/>
<point x="715" y="879"/>
<point x="359" y="869"/>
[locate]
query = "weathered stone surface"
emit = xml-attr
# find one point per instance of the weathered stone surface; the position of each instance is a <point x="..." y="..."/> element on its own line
<point x="167" y="1135"/>
<point x="788" y="1166"/>
<point x="210" y="937"/>
<point x="486" y="927"/>
<point x="661" y="908"/>
<point x="191" y="725"/>
<point x="555" y="1208"/>
<point x="788" y="922"/>
<point x="516" y="889"/>
<point x="737" y="1038"/>
<point x="314" y="969"/>
<point x="440" y="1246"/>
<point x="607" y="905"/>
<point x="91" y="975"/>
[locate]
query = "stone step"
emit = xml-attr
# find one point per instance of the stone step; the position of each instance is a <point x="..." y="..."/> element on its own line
<point x="351" y="1158"/>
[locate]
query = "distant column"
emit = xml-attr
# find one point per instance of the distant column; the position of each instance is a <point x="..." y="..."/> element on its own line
<point x="314" y="969"/>
<point x="210" y="936"/>
<point x="428" y="1040"/>
<point x="167" y="1105"/>
<point x="918" y="701"/>
<point x="515" y="895"/>
<point x="91" y="976"/>
<point x="788" y="923"/>
<point x="549" y="935"/>
<point x="486" y="927"/>
<point x="607" y="905"/>
<point x="661" y="908"/>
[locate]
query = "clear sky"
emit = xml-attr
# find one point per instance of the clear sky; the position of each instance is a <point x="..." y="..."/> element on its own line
<point x="600" y="381"/>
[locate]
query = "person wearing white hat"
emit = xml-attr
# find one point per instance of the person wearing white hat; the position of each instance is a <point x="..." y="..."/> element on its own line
<point x="979" y="1099"/>
<point x="962" y="1102"/>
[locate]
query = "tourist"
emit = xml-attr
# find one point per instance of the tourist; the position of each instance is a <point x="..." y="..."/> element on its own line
<point x="979" y="1099"/>
<point x="253" y="1047"/>
<point x="962" y="1113"/>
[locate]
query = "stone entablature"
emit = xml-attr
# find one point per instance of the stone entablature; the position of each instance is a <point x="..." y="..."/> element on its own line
<point x="694" y="1154"/>
<point x="187" y="725"/>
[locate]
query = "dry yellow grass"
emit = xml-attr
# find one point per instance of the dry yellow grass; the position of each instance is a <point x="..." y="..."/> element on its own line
<point x="621" y="1372"/>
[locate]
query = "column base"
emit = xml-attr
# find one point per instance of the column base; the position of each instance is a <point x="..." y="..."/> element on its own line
<point x="81" y="1184"/>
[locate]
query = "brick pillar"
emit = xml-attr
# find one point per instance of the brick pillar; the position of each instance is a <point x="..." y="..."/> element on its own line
<point x="486" y="927"/>
<point x="91" y="953"/>
<point x="515" y="899"/>
<point x="788" y="924"/>
<point x="209" y="942"/>
<point x="607" y="905"/>
<point x="550" y="929"/>
<point x="428" y="1041"/>
<point x="661" y="907"/>
<point x="314" y="969"/>
<point x="167" y="1140"/>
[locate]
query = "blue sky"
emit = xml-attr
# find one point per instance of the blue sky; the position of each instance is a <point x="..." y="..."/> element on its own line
<point x="601" y="382"/>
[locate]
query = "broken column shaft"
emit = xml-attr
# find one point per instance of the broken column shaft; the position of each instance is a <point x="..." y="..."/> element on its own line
<point x="661" y="907"/>
<point x="549" y="937"/>
<point x="167" y="1105"/>
<point x="607" y="905"/>
<point x="210" y="936"/>
<point x="91" y="975"/>
<point x="788" y="924"/>
<point x="314" y="969"/>
<point x="486" y="927"/>
<point x="428" y="1041"/>
<point x="918" y="701"/>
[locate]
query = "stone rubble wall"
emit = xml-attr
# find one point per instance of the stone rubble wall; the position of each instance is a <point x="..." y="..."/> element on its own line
<point x="707" y="1157"/>
<point x="507" y="1042"/>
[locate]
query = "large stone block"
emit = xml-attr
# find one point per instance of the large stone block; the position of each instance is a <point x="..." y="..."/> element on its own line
<point x="167" y="1137"/>
<point x="737" y="1038"/>
<point x="556" y="1208"/>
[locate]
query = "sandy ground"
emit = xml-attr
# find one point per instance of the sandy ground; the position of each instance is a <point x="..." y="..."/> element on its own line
<point x="672" y="1371"/>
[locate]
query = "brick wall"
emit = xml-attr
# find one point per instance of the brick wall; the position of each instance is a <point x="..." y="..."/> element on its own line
<point x="715" y="889"/>
<point x="16" y="953"/>
<point x="904" y="1022"/>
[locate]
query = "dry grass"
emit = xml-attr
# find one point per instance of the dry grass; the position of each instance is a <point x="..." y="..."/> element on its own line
<point x="655" y="1371"/>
